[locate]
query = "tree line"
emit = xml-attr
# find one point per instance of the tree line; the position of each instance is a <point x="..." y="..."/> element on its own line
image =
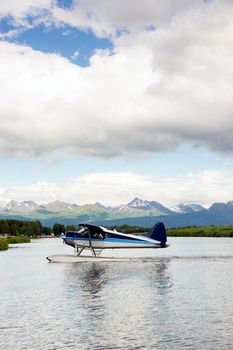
<point x="12" y="227"/>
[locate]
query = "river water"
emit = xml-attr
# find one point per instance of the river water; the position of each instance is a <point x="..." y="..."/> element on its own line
<point x="175" y="298"/>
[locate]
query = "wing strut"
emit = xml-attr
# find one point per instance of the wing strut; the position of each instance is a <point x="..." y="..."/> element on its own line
<point x="77" y="251"/>
<point x="95" y="251"/>
<point x="90" y="243"/>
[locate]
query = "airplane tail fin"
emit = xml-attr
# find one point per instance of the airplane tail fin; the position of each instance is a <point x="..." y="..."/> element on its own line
<point x="158" y="233"/>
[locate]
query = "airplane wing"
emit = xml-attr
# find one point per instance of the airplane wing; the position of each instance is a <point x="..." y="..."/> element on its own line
<point x="93" y="229"/>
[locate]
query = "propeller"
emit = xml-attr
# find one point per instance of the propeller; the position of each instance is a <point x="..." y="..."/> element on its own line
<point x="63" y="236"/>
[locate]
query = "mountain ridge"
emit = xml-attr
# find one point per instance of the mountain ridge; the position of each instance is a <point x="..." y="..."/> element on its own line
<point x="136" y="212"/>
<point x="137" y="204"/>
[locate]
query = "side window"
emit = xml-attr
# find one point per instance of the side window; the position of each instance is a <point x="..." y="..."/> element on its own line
<point x="77" y="234"/>
<point x="83" y="234"/>
<point x="98" y="235"/>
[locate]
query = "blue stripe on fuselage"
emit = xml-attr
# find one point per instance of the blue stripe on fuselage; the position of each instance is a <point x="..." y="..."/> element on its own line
<point x="134" y="241"/>
<point x="112" y="240"/>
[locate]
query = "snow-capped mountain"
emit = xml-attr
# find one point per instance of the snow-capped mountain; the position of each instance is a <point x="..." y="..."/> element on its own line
<point x="137" y="212"/>
<point x="135" y="207"/>
<point x="183" y="208"/>
<point x="145" y="204"/>
<point x="20" y="206"/>
<point x="137" y="202"/>
<point x="58" y="206"/>
<point x="139" y="205"/>
<point x="101" y="206"/>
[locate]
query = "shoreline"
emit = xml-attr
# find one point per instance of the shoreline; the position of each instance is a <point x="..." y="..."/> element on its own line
<point x="5" y="241"/>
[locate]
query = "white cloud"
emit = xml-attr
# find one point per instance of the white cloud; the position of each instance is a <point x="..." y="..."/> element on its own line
<point x="19" y="9"/>
<point x="24" y="15"/>
<point x="116" y="188"/>
<point x="10" y="34"/>
<point x="109" y="17"/>
<point x="48" y="103"/>
<point x="155" y="91"/>
<point x="75" y="55"/>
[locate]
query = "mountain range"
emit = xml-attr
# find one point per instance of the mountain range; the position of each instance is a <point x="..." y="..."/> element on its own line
<point x="137" y="212"/>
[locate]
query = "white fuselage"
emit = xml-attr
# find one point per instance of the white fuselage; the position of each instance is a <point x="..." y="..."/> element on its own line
<point x="113" y="240"/>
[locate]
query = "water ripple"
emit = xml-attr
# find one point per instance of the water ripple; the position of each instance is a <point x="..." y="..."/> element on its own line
<point x="169" y="301"/>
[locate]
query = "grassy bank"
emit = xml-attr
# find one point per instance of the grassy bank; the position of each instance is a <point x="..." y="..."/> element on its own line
<point x="18" y="239"/>
<point x="207" y="231"/>
<point x="4" y="242"/>
<point x="190" y="231"/>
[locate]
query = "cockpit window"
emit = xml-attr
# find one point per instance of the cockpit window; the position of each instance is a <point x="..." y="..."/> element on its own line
<point x="85" y="232"/>
<point x="97" y="235"/>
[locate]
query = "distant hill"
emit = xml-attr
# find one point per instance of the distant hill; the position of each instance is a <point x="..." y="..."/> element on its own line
<point x="177" y="220"/>
<point x="136" y="212"/>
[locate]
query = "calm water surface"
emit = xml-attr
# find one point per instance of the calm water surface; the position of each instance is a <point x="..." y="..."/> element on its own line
<point x="175" y="298"/>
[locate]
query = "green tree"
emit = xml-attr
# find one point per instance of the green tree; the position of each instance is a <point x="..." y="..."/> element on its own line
<point x="70" y="228"/>
<point x="58" y="229"/>
<point x="5" y="227"/>
<point x="46" y="231"/>
<point x="28" y="231"/>
<point x="1" y="227"/>
<point x="37" y="228"/>
<point x="14" y="230"/>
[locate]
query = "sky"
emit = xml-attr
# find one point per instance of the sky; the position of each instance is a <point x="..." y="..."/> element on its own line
<point x="105" y="100"/>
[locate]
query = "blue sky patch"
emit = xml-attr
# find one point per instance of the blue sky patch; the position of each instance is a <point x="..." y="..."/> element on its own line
<point x="64" y="41"/>
<point x="65" y="4"/>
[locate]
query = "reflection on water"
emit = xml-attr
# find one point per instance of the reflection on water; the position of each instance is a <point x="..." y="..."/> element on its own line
<point x="113" y="300"/>
<point x="160" y="276"/>
<point x="91" y="277"/>
<point x="168" y="299"/>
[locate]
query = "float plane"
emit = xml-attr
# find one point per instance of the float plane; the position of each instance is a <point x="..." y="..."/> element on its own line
<point x="97" y="238"/>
